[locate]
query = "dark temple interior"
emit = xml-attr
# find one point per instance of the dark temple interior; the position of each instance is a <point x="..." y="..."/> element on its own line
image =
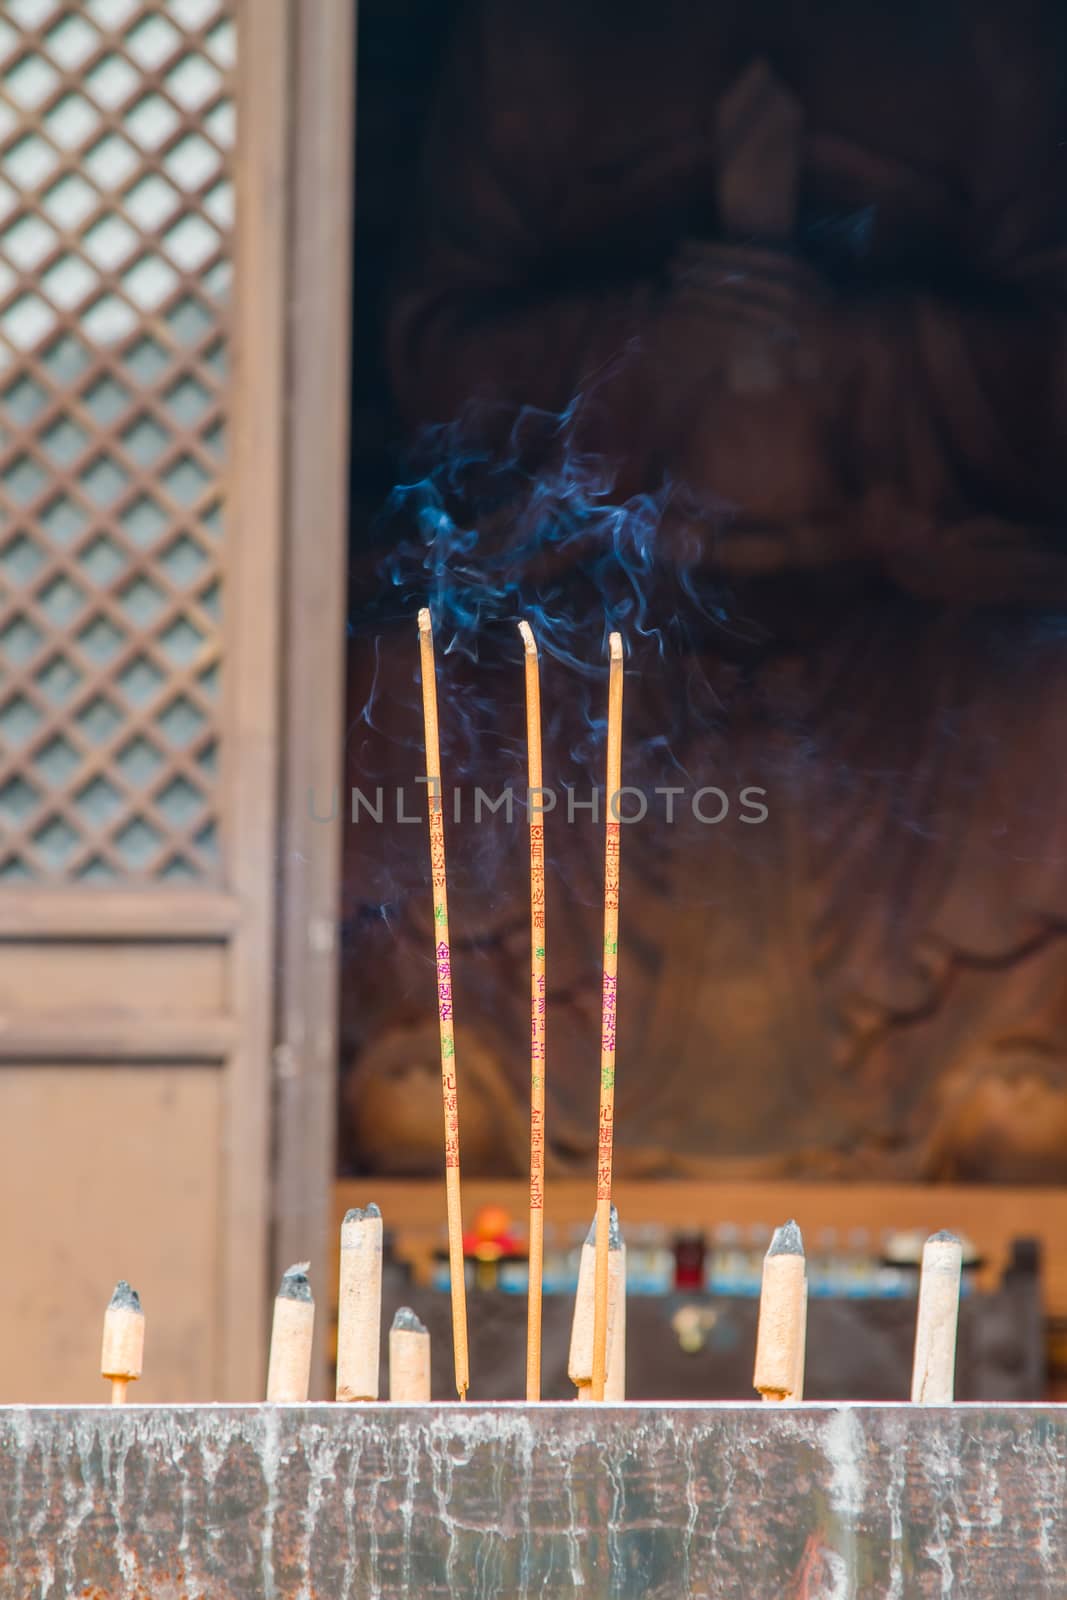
<point x="729" y="327"/>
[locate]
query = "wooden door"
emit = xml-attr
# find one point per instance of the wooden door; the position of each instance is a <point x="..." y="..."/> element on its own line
<point x="143" y="270"/>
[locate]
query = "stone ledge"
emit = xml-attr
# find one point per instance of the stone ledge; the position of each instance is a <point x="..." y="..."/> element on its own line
<point x="657" y="1501"/>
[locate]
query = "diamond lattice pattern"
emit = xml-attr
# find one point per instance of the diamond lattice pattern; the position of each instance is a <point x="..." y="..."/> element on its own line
<point x="116" y="126"/>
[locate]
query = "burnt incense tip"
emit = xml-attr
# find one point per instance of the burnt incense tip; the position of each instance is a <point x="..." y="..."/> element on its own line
<point x="425" y="624"/>
<point x="125" y="1298"/>
<point x="406" y="1321"/>
<point x="787" y="1241"/>
<point x="615" y="646"/>
<point x="295" y="1284"/>
<point x="944" y="1236"/>
<point x="362" y="1213"/>
<point x="614" y="1232"/>
<point x="528" y="640"/>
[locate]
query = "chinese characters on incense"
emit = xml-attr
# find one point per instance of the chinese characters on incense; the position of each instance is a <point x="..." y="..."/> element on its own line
<point x="443" y="962"/>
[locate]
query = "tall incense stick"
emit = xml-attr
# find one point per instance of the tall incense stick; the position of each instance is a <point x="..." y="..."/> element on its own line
<point x="535" y="797"/>
<point x="443" y="960"/>
<point x="606" y="1133"/>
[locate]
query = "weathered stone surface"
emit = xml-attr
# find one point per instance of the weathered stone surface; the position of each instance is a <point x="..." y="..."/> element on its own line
<point x="665" y="1502"/>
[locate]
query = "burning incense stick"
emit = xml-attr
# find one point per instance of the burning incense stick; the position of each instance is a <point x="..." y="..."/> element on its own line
<point x="781" y="1334"/>
<point x="443" y="958"/>
<point x="359" y="1304"/>
<point x="606" y="1134"/>
<point x="933" y="1377"/>
<point x="122" y="1352"/>
<point x="289" y="1368"/>
<point x="535" y="798"/>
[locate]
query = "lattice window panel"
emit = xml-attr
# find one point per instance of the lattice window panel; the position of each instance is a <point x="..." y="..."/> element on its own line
<point x="116" y="205"/>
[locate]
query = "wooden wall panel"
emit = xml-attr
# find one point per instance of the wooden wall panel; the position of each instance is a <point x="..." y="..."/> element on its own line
<point x="109" y="1172"/>
<point x="113" y="980"/>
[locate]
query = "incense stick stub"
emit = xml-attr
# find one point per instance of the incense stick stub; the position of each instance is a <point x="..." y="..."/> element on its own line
<point x="933" y="1378"/>
<point x="802" y="1344"/>
<point x="538" y="1007"/>
<point x="409" y="1359"/>
<point x="580" y="1358"/>
<point x="359" y="1304"/>
<point x="781" y="1334"/>
<point x="292" y="1332"/>
<point x="609" y="998"/>
<point x="615" y="1377"/>
<point x="446" y="1027"/>
<point x="122" y="1350"/>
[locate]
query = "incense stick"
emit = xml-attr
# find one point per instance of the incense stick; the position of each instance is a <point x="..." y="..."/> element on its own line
<point x="781" y="1333"/>
<point x="580" y="1355"/>
<point x="409" y="1359"/>
<point x="359" y="1304"/>
<point x="615" y="1377"/>
<point x="122" y="1351"/>
<point x="934" y="1370"/>
<point x="443" y="961"/>
<point x="606" y="1132"/>
<point x="289" y="1367"/>
<point x="537" y="1011"/>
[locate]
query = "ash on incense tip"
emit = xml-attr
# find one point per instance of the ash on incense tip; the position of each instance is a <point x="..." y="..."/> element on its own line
<point x="944" y="1236"/>
<point x="787" y="1241"/>
<point x="125" y="1298"/>
<point x="406" y="1321"/>
<point x="295" y="1284"/>
<point x="362" y="1213"/>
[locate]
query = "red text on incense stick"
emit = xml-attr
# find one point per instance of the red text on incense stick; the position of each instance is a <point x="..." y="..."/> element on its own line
<point x="537" y="1010"/>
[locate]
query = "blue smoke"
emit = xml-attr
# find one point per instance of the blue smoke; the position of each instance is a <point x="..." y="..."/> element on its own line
<point x="535" y="529"/>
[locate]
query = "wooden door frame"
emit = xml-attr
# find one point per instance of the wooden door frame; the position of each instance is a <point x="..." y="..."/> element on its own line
<point x="320" y="53"/>
<point x="253" y="702"/>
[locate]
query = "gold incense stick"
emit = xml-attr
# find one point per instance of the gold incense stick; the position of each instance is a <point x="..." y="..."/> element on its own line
<point x="443" y="961"/>
<point x="606" y="1133"/>
<point x="535" y="798"/>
